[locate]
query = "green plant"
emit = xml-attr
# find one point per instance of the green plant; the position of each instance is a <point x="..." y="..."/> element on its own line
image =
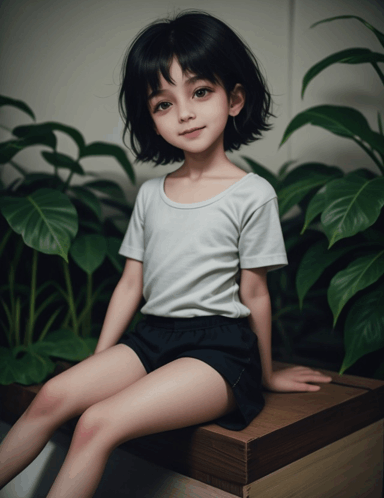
<point x="55" y="239"/>
<point x="346" y="210"/>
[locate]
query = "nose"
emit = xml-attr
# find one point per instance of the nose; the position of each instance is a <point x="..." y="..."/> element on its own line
<point x="186" y="111"/>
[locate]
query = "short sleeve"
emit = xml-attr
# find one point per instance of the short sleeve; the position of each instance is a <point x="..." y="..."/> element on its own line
<point x="261" y="240"/>
<point x="133" y="242"/>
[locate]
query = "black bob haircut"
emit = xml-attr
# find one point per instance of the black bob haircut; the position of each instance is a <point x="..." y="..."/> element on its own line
<point x="204" y="46"/>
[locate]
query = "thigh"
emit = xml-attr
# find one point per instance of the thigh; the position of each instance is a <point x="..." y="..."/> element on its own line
<point x="184" y="392"/>
<point x="98" y="377"/>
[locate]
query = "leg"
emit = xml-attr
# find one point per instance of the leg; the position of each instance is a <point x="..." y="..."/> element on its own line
<point x="63" y="397"/>
<point x="184" y="392"/>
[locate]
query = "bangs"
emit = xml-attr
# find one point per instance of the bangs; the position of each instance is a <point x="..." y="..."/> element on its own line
<point x="197" y="61"/>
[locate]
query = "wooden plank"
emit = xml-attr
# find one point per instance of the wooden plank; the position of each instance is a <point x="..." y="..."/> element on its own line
<point x="295" y="440"/>
<point x="351" y="467"/>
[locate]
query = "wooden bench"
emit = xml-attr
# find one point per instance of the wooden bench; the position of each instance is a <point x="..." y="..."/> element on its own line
<point x="323" y="444"/>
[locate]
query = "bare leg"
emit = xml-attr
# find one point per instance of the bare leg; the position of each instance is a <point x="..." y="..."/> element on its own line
<point x="184" y="392"/>
<point x="65" y="396"/>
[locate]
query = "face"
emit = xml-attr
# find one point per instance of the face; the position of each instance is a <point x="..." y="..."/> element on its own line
<point x="192" y="103"/>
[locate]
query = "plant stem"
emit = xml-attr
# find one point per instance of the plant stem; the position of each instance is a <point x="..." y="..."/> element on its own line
<point x="371" y="154"/>
<point x="31" y="320"/>
<point x="377" y="69"/>
<point x="68" y="181"/>
<point x="71" y="301"/>
<point x="88" y="321"/>
<point x="4" y="240"/>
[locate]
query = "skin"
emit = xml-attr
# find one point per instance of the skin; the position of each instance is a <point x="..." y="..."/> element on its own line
<point x="111" y="389"/>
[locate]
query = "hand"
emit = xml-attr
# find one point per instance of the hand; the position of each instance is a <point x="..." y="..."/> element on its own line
<point x="295" y="379"/>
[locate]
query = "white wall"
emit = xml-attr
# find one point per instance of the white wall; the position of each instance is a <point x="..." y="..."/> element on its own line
<point x="64" y="59"/>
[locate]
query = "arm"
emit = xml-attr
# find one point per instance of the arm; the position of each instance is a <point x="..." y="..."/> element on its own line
<point x="123" y="304"/>
<point x="254" y="294"/>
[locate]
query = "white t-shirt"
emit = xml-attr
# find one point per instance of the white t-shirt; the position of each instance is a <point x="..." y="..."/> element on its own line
<point x="192" y="253"/>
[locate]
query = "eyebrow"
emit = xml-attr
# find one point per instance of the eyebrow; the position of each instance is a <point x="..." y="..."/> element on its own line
<point x="190" y="81"/>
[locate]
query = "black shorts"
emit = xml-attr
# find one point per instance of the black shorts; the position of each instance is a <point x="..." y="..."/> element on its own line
<point x="227" y="344"/>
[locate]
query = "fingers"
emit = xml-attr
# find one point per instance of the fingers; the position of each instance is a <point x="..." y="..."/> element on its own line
<point x="309" y="375"/>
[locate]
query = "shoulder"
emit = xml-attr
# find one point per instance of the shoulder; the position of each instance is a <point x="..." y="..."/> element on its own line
<point x="257" y="191"/>
<point x="148" y="186"/>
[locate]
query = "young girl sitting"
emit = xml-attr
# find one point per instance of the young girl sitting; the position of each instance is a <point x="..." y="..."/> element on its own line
<point x="198" y="246"/>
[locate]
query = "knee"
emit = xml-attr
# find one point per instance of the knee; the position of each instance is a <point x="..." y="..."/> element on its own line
<point x="93" y="426"/>
<point x="48" y="400"/>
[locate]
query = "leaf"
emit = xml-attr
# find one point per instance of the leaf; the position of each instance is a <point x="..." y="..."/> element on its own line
<point x="89" y="251"/>
<point x="283" y="169"/>
<point x="107" y="149"/>
<point x="88" y="198"/>
<point x="352" y="205"/>
<point x="340" y="120"/>
<point x="358" y="275"/>
<point x="10" y="148"/>
<point x="62" y="161"/>
<point x="364" y="327"/>
<point x="262" y="171"/>
<point x="64" y="344"/>
<point x="379" y="34"/>
<point x="302" y="180"/>
<point x="113" y="246"/>
<point x="112" y="189"/>
<point x="348" y="56"/>
<point x="46" y="220"/>
<point x="19" y="104"/>
<point x="315" y="207"/>
<point x="32" y="368"/>
<point x="314" y="263"/>
<point x="48" y="128"/>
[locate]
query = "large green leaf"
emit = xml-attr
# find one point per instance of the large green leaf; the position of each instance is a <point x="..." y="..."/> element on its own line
<point x="313" y="264"/>
<point x="64" y="344"/>
<point x="379" y="34"/>
<point x="262" y="171"/>
<point x="46" y="220"/>
<point x="88" y="198"/>
<point x="62" y="161"/>
<point x="340" y="120"/>
<point x="358" y="275"/>
<point x="364" y="327"/>
<point x="19" y="104"/>
<point x="10" y="148"/>
<point x="107" y="149"/>
<point x="47" y="129"/>
<point x="88" y="252"/>
<point x="315" y="206"/>
<point x="348" y="56"/>
<point x="107" y="187"/>
<point x="113" y="246"/>
<point x="352" y="205"/>
<point x="303" y="180"/>
<point x="32" y="368"/>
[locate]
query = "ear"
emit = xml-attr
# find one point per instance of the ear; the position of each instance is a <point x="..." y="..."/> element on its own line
<point x="236" y="100"/>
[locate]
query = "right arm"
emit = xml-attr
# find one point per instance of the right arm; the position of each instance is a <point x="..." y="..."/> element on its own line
<point x="123" y="304"/>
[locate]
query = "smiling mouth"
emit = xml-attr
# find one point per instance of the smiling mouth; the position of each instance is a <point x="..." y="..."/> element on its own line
<point x="191" y="130"/>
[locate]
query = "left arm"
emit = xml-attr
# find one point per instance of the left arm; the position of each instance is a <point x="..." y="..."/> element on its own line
<point x="254" y="294"/>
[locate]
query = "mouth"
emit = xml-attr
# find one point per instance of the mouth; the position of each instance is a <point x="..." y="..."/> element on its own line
<point x="191" y="130"/>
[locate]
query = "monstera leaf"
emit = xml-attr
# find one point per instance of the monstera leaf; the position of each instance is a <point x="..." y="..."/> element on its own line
<point x="46" y="220"/>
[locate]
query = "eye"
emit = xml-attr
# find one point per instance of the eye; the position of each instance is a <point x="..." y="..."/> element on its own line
<point x="159" y="107"/>
<point x="204" y="90"/>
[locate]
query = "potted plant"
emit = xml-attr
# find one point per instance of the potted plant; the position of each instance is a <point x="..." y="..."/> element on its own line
<point x="346" y="212"/>
<point x="56" y="249"/>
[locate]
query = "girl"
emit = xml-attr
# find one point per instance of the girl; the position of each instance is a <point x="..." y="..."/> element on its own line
<point x="198" y="246"/>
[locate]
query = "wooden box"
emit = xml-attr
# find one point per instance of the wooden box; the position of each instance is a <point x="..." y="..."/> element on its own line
<point x="323" y="444"/>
